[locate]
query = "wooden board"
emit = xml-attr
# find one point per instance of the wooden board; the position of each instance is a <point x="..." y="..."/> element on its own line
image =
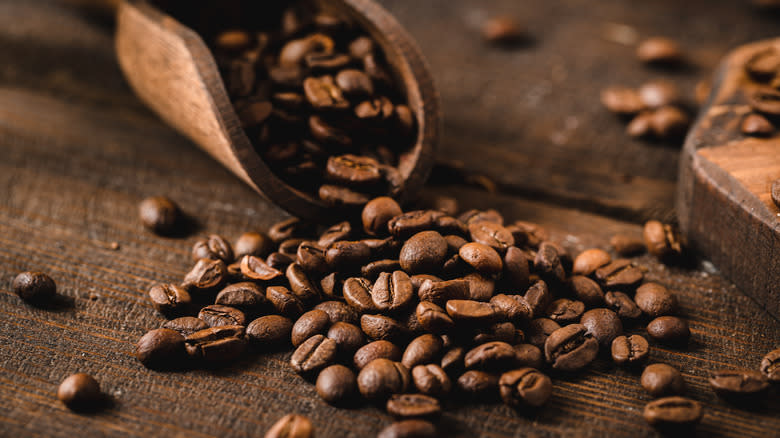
<point x="79" y="151"/>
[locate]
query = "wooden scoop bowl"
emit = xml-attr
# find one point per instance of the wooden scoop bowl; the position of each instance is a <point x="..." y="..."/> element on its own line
<point x="173" y="71"/>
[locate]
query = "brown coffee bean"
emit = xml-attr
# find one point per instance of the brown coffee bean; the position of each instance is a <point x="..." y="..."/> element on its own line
<point x="381" y="378"/>
<point x="246" y="297"/>
<point x="311" y="257"/>
<point x="413" y="406"/>
<point x="439" y="292"/>
<point x="433" y="318"/>
<point x="621" y="100"/>
<point x="354" y="83"/>
<point x="253" y="243"/>
<point x="669" y="330"/>
<point x="473" y="312"/>
<point x="323" y="93"/>
<point x="498" y="332"/>
<point x="160" y="349"/>
<point x="738" y="383"/>
<point x="432" y="380"/>
<point x="483" y="258"/>
<point x="503" y="31"/>
<point x="255" y="268"/>
<point x="270" y="330"/>
<point x="314" y="354"/>
<point x="478" y="383"/>
<point x="372" y="270"/>
<point x="360" y="47"/>
<point x="473" y="216"/>
<point x="353" y="170"/>
<point x="340" y="231"/>
<point x="525" y="387"/>
<point x="347" y="256"/>
<point x="641" y="126"/>
<point x="630" y="350"/>
<point x="80" y="391"/>
<point x="662" y="240"/>
<point x="548" y="262"/>
<point x="232" y="40"/>
<point x="620" y="274"/>
<point x="623" y="305"/>
<point x="329" y="134"/>
<point x="669" y="122"/>
<point x="491" y="234"/>
<point x="763" y="65"/>
<point x="513" y="307"/>
<point x="539" y="330"/>
<point x="35" y="287"/>
<point x="538" y="296"/>
<point x="626" y="245"/>
<point x="756" y="125"/>
<point x="288" y="229"/>
<point x="284" y="301"/>
<point x="423" y="252"/>
<point x="659" y="50"/>
<point x="564" y="310"/>
<point x="765" y="100"/>
<point x="301" y="285"/>
<point x="186" y="325"/>
<point x="278" y="261"/>
<point x="338" y="312"/>
<point x="452" y="360"/>
<point x="480" y="287"/>
<point x="491" y="356"/>
<point x="571" y="348"/>
<point x="408" y="224"/>
<point x="216" y="344"/>
<point x="588" y="261"/>
<point x="604" y="325"/>
<point x="311" y="323"/>
<point x="213" y="247"/>
<point x="770" y="366"/>
<point x="424" y="349"/>
<point x="349" y="338"/>
<point x="217" y="315"/>
<point x="389" y="247"/>
<point x="587" y="290"/>
<point x="159" y="214"/>
<point x="380" y="327"/>
<point x="655" y="300"/>
<point x="672" y="412"/>
<point x="516" y="270"/>
<point x="290" y="246"/>
<point x="291" y="426"/>
<point x="357" y="293"/>
<point x="336" y="384"/>
<point x="376" y="350"/>
<point x="207" y="275"/>
<point x="655" y="94"/>
<point x="529" y="355"/>
<point x="660" y="379"/>
<point x="392" y="291"/>
<point x="337" y="196"/>
<point x="414" y="428"/>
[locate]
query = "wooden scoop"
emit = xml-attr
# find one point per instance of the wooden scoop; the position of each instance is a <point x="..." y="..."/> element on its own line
<point x="172" y="70"/>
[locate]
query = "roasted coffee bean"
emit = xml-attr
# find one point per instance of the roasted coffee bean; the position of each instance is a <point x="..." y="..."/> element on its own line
<point x="169" y="299"/>
<point x="160" y="349"/>
<point x="641" y="126"/>
<point x="246" y="297"/>
<point x="516" y="270"/>
<point x="232" y="40"/>
<point x="630" y="350"/>
<point x="332" y="286"/>
<point x="473" y="216"/>
<point x="336" y="384"/>
<point x="564" y="310"/>
<point x="623" y="305"/>
<point x="34" y="287"/>
<point x="338" y="196"/>
<point x="452" y="360"/>
<point x="381" y="378"/>
<point x="770" y="366"/>
<point x="207" y="275"/>
<point x="216" y="344"/>
<point x="354" y="83"/>
<point x="289" y="228"/>
<point x="347" y="256"/>
<point x="349" y="338"/>
<point x="392" y="291"/>
<point x="483" y="258"/>
<point x="529" y="355"/>
<point x="360" y="47"/>
<point x="376" y="350"/>
<point x="765" y="100"/>
<point x="357" y="293"/>
<point x="80" y="391"/>
<point x="408" y="224"/>
<point x="480" y="287"/>
<point x="290" y="246"/>
<point x="294" y="51"/>
<point x="491" y="234"/>
<point x="626" y="245"/>
<point x="662" y="240"/>
<point x="284" y="301"/>
<point x="311" y="323"/>
<point x="303" y="288"/>
<point x="571" y="348"/>
<point x="389" y="247"/>
<point x="525" y="387"/>
<point x="422" y="350"/>
<point x="423" y="252"/>
<point x="340" y="231"/>
<point x="431" y="380"/>
<point x="673" y="412"/>
<point x="311" y="257"/>
<point x="587" y="290"/>
<point x="539" y="330"/>
<point x="270" y="330"/>
<point x="588" y="261"/>
<point x="764" y="65"/>
<point x="548" y="263"/>
<point x="372" y="270"/>
<point x="353" y="170"/>
<point x="604" y="325"/>
<point x="660" y="379"/>
<point x="619" y="274"/>
<point x="256" y="269"/>
<point x="669" y="330"/>
<point x="377" y="213"/>
<point x="451" y="226"/>
<point x="440" y="292"/>
<point x="503" y="31"/>
<point x="380" y="327"/>
<point x="414" y="428"/>
<point x="491" y="356"/>
<point x="329" y="134"/>
<point x="417" y="280"/>
<point x="213" y="247"/>
<point x="323" y="93"/>
<point x="186" y="325"/>
<point x="253" y="113"/>
<point x="278" y="261"/>
<point x="756" y="125"/>
<point x="655" y="300"/>
<point x="291" y="426"/>
<point x="217" y="315"/>
<point x="669" y="122"/>
<point x="659" y="50"/>
<point x="314" y="354"/>
<point x="159" y="214"/>
<point x="473" y="312"/>
<point x="621" y="100"/>
<point x="478" y="383"/>
<point x="513" y="307"/>
<point x="738" y="383"/>
<point x="338" y="312"/>
<point x="454" y="243"/>
<point x="433" y="318"/>
<point x="655" y="94"/>
<point x="413" y="406"/>
<point x="500" y="331"/>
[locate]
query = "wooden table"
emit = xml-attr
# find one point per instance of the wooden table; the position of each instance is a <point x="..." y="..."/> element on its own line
<point x="79" y="151"/>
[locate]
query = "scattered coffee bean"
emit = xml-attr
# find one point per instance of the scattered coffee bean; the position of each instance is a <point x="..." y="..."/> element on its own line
<point x="480" y="287"/>
<point x="630" y="350"/>
<point x="604" y="325"/>
<point x="414" y="428"/>
<point x="423" y="252"/>
<point x="538" y="296"/>
<point x="34" y="287"/>
<point x="422" y="350"/>
<point x="79" y="391"/>
<point x="377" y="213"/>
<point x="503" y="31"/>
<point x="245" y="296"/>
<point x="656" y="94"/>
<point x="756" y="125"/>
<point x="338" y="312"/>
<point x="626" y="245"/>
<point x="159" y="214"/>
<point x="216" y="315"/>
<point x="452" y="360"/>
<point x="439" y="292"/>
<point x="169" y="299"/>
<point x="314" y="354"/>
<point x="621" y="100"/>
<point x="738" y="383"/>
<point x="376" y="350"/>
<point x="588" y="261"/>
<point x="512" y="307"/>
<point x="516" y="271"/>
<point x="529" y="355"/>
<point x="432" y="380"/>
<point x="675" y="412"/>
<point x="477" y="383"/>
<point x="655" y="300"/>
<point x="491" y="356"/>
<point x="213" y="247"/>
<point x="336" y="384"/>
<point x="539" y="330"/>
<point x="662" y="240"/>
<point x="381" y="378"/>
<point x="473" y="312"/>
<point x="291" y="426"/>
<point x="482" y="258"/>
<point x="491" y="233"/>
<point x="284" y="301"/>
<point x="620" y="274"/>
<point x="525" y="387"/>
<point x="216" y="344"/>
<point x="623" y="305"/>
<point x="763" y="66"/>
<point x="660" y="379"/>
<point x="253" y="243"/>
<point x="669" y="330"/>
<point x="311" y="323"/>
<point x="433" y="318"/>
<point x="770" y="366"/>
<point x="564" y="310"/>
<point x="587" y="290"/>
<point x="301" y="285"/>
<point x="392" y="291"/>
<point x="380" y="327"/>
<point x="659" y="50"/>
<point x="571" y="348"/>
<point x="413" y="406"/>
<point x="347" y="256"/>
<point x="207" y="275"/>
<point x="270" y="330"/>
<point x="160" y="349"/>
<point x="349" y="338"/>
<point x="186" y="325"/>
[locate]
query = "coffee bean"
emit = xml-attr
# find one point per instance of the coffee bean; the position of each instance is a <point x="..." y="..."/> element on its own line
<point x="659" y="50"/>
<point x="621" y="100"/>
<point x="673" y="412"/>
<point x="417" y="280"/>
<point x="763" y="65"/>
<point x="570" y="348"/>
<point x="257" y="269"/>
<point x="503" y="31"/>
<point x="620" y="274"/>
<point x="655" y="94"/>
<point x="500" y="331"/>
<point x="440" y="292"/>
<point x="588" y="261"/>
<point x="756" y="125"/>
<point x="347" y="256"/>
<point x="214" y="247"/>
<point x="494" y="356"/>
<point x="478" y="383"/>
<point x="433" y="318"/>
<point x="349" y="338"/>
<point x="669" y="330"/>
<point x="252" y="243"/>
<point x="432" y="380"/>
<point x="389" y="247"/>
<point x="525" y="387"/>
<point x="669" y="122"/>
<point x="216" y="344"/>
<point x="516" y="271"/>
<point x="473" y="216"/>
<point x="513" y="307"/>
<point x="245" y="296"/>
<point x="186" y="325"/>
<point x="655" y="300"/>
<point x="604" y="325"/>
<point x="340" y="231"/>
<point x="323" y="93"/>
<point x="473" y="312"/>
<point x="408" y="224"/>
<point x="529" y="355"/>
<point x="357" y="293"/>
<point x="353" y="170"/>
<point x="539" y="330"/>
<point x="765" y="100"/>
<point x="79" y="391"/>
<point x="641" y="126"/>
<point x="303" y="288"/>
<point x="564" y="310"/>
<point x="660" y="379"/>
<point x="422" y="350"/>
<point x="376" y="350"/>
<point x="423" y="252"/>
<point x="630" y="350"/>
<point x="377" y="213"/>
<point x="217" y="315"/>
<point x="270" y="330"/>
<point x="372" y="270"/>
<point x="277" y="261"/>
<point x="290" y="246"/>
<point x="160" y="349"/>
<point x="338" y="312"/>
<point x="413" y="406"/>
<point x="360" y="47"/>
<point x="336" y="384"/>
<point x="626" y="245"/>
<point x="380" y="327"/>
<point x="159" y="214"/>
<point x="491" y="234"/>
<point x="381" y="378"/>
<point x="623" y="305"/>
<point x="337" y="196"/>
<point x="452" y="360"/>
<point x="289" y="228"/>
<point x="414" y="428"/>
<point x="587" y="290"/>
<point x="548" y="262"/>
<point x="309" y="324"/>
<point x="483" y="258"/>
<point x="311" y="257"/>
<point x="392" y="291"/>
<point x="738" y="383"/>
<point x="291" y="426"/>
<point x="284" y="301"/>
<point x="539" y="298"/>
<point x="314" y="354"/>
<point x="34" y="287"/>
<point x="662" y="240"/>
<point x="232" y="40"/>
<point x="770" y="366"/>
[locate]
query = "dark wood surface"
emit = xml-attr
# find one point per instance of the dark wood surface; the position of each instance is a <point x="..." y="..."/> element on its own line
<point x="79" y="151"/>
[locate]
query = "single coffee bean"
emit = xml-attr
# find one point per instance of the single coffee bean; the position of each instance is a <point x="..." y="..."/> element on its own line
<point x="483" y="258"/>
<point x="360" y="47"/>
<point x="655" y="94"/>
<point x="34" y="287"/>
<point x="408" y="224"/>
<point x="332" y="286"/>
<point x="529" y="355"/>
<point x="423" y="252"/>
<point x="213" y="247"/>
<point x="207" y="275"/>
<point x="336" y="384"/>
<point x="439" y="292"/>
<point x="498" y="332"/>
<point x="525" y="387"/>
<point x="376" y="350"/>
<point x="473" y="216"/>
<point x="301" y="285"/>
<point x="284" y="301"/>
<point x="452" y="360"/>
<point x="291" y="426"/>
<point x="413" y="406"/>
<point x="669" y="330"/>
<point x="377" y="213"/>
<point x="432" y="380"/>
<point x="764" y="65"/>
<point x="503" y="31"/>
<point x="216" y="344"/>
<point x="217" y="315"/>
<point x="338" y="312"/>
<point x="277" y="261"/>
<point x="414" y="428"/>
<point x="323" y="93"/>
<point x="623" y="305"/>
<point x="619" y="274"/>
<point x="491" y="356"/>
<point x="516" y="270"/>
<point x="478" y="383"/>
<point x="538" y="296"/>
<point x="422" y="350"/>
<point x="354" y="83"/>
<point x="270" y="330"/>
<point x="433" y="318"/>
<point x="186" y="325"/>
<point x="311" y="257"/>
<point x="756" y="125"/>
<point x="289" y="228"/>
<point x="630" y="350"/>
<point x="372" y="270"/>
<point x="314" y="354"/>
<point x="159" y="214"/>
<point x="765" y="100"/>
<point x="309" y="324"/>
<point x="548" y="262"/>
<point x="655" y="300"/>
<point x="677" y="412"/>
<point x="253" y="243"/>
<point x="349" y="338"/>
<point x="389" y="247"/>
<point x="659" y="50"/>
<point x="392" y="291"/>
<point x="160" y="349"/>
<point x="564" y="310"/>
<point x="571" y="348"/>
<point x="245" y="296"/>
<point x="357" y="293"/>
<point x="257" y="269"/>
<point x="589" y="260"/>
<point x="340" y="231"/>
<point x="587" y="290"/>
<point x="621" y="100"/>
<point x="380" y="327"/>
<point x="448" y="225"/>
<point x="353" y="169"/>
<point x="79" y="391"/>
<point x="338" y="196"/>
<point x="641" y="126"/>
<point x="626" y="245"/>
<point x="347" y="256"/>
<point x="770" y="366"/>
<point x="539" y="329"/>
<point x="491" y="234"/>
<point x="660" y="379"/>
<point x="604" y="325"/>
<point x="473" y="312"/>
<point x="662" y="240"/>
<point x="513" y="307"/>
<point x="738" y="383"/>
<point x="381" y="378"/>
<point x="480" y="287"/>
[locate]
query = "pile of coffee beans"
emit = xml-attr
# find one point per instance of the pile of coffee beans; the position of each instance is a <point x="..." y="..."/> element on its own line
<point x="317" y="99"/>
<point x="655" y="109"/>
